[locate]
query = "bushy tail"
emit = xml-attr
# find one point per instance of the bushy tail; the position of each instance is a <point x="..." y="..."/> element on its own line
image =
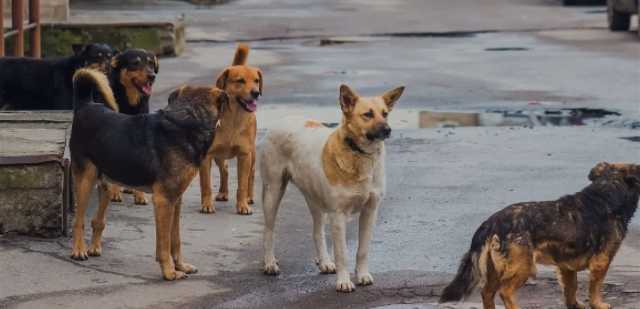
<point x="242" y="53"/>
<point x="85" y="82"/>
<point x="466" y="279"/>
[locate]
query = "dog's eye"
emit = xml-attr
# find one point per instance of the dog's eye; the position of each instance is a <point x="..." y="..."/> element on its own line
<point x="368" y="114"/>
<point x="256" y="81"/>
<point x="240" y="81"/>
<point x="109" y="55"/>
<point x="99" y="54"/>
<point x="385" y="114"/>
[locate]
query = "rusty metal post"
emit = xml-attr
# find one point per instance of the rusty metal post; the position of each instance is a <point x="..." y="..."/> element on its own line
<point x="1" y="28"/>
<point x="17" y="20"/>
<point x="34" y="18"/>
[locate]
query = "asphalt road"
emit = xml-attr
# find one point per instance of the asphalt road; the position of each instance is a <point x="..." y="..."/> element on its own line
<point x="441" y="183"/>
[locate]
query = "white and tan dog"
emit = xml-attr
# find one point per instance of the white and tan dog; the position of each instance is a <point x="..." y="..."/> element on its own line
<point x="340" y="172"/>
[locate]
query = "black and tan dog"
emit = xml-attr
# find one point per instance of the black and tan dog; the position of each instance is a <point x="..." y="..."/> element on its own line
<point x="41" y="84"/>
<point x="133" y="73"/>
<point x="159" y="153"/>
<point x="574" y="233"/>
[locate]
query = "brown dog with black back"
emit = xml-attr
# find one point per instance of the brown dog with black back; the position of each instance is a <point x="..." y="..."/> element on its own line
<point x="236" y="135"/>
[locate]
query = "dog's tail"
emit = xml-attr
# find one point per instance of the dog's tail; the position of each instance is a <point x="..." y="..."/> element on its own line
<point x="85" y="82"/>
<point x="473" y="268"/>
<point x="242" y="53"/>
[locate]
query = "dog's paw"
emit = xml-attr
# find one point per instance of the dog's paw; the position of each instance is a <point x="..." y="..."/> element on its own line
<point x="600" y="305"/>
<point x="186" y="268"/>
<point x="208" y="208"/>
<point x="244" y="209"/>
<point x="326" y="267"/>
<point x="174" y="275"/>
<point x="79" y="254"/>
<point x="222" y="197"/>
<point x="345" y="286"/>
<point x="577" y="305"/>
<point x="272" y="268"/>
<point x="140" y="199"/>
<point x="365" y="279"/>
<point x="116" y="196"/>
<point x="94" y="250"/>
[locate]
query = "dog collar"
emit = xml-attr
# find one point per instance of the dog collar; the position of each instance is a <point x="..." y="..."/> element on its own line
<point x="352" y="144"/>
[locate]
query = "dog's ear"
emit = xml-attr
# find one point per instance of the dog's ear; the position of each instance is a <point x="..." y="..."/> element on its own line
<point x="156" y="64"/>
<point x="260" y="83"/>
<point x="221" y="82"/>
<point x="391" y="97"/>
<point x="222" y="101"/>
<point x="598" y="170"/>
<point x="348" y="99"/>
<point x="78" y="49"/>
<point x="173" y="97"/>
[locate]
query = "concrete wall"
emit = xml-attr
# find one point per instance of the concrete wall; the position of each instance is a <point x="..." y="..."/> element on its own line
<point x="50" y="10"/>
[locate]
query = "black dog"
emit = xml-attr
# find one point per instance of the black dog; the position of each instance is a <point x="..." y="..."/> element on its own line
<point x="131" y="78"/>
<point x="576" y="232"/>
<point x="37" y="84"/>
<point x="159" y="153"/>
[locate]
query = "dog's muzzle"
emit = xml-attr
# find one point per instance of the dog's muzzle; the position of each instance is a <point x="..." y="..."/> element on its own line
<point x="381" y="132"/>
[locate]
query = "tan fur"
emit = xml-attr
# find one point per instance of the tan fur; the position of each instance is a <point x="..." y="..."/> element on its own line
<point x="235" y="136"/>
<point x="129" y="78"/>
<point x="311" y="123"/>
<point x="102" y="83"/>
<point x="242" y="53"/>
<point x="340" y="163"/>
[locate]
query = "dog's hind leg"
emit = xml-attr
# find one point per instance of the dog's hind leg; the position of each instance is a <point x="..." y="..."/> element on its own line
<point x="273" y="188"/>
<point x="515" y="270"/>
<point x="98" y="222"/>
<point x="339" y="235"/>
<point x="568" y="279"/>
<point x="323" y="260"/>
<point x="176" y="251"/>
<point x="84" y="179"/>
<point x="139" y="198"/>
<point x="208" y="206"/>
<point x="223" y="192"/>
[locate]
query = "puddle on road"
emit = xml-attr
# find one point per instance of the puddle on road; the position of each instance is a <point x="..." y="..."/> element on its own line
<point x="632" y="138"/>
<point x="270" y="116"/>
<point x="506" y="49"/>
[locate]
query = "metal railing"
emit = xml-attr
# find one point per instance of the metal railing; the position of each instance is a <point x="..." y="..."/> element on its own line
<point x="18" y="27"/>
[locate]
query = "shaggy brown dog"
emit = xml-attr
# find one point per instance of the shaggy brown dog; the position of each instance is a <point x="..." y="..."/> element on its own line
<point x="158" y="153"/>
<point x="574" y="233"/>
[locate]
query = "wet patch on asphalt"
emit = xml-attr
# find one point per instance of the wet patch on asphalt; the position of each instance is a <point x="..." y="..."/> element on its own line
<point x="507" y="49"/>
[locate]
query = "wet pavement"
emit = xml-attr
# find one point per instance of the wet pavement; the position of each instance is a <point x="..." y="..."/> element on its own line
<point x="513" y="102"/>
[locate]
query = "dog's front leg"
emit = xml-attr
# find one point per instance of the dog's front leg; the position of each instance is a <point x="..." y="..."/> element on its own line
<point x="338" y="233"/>
<point x="115" y="193"/>
<point x="205" y="187"/>
<point x="163" y="211"/>
<point x="176" y="251"/>
<point x="98" y="222"/>
<point x="252" y="176"/>
<point x="223" y="192"/>
<point x="244" y="169"/>
<point x="598" y="267"/>
<point x="365" y="233"/>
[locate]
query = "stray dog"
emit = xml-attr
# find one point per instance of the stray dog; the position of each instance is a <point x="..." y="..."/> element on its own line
<point x="41" y="84"/>
<point x="576" y="232"/>
<point x="132" y="75"/>
<point x="157" y="153"/>
<point x="339" y="172"/>
<point x="236" y="136"/>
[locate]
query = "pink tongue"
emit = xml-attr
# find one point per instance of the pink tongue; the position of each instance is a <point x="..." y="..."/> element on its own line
<point x="146" y="89"/>
<point x="252" y="106"/>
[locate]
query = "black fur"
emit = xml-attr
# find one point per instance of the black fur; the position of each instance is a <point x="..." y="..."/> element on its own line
<point x="135" y="150"/>
<point x="573" y="226"/>
<point x="46" y="84"/>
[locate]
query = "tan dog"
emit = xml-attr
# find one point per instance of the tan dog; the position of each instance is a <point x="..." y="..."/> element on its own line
<point x="236" y="135"/>
<point x="340" y="172"/>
